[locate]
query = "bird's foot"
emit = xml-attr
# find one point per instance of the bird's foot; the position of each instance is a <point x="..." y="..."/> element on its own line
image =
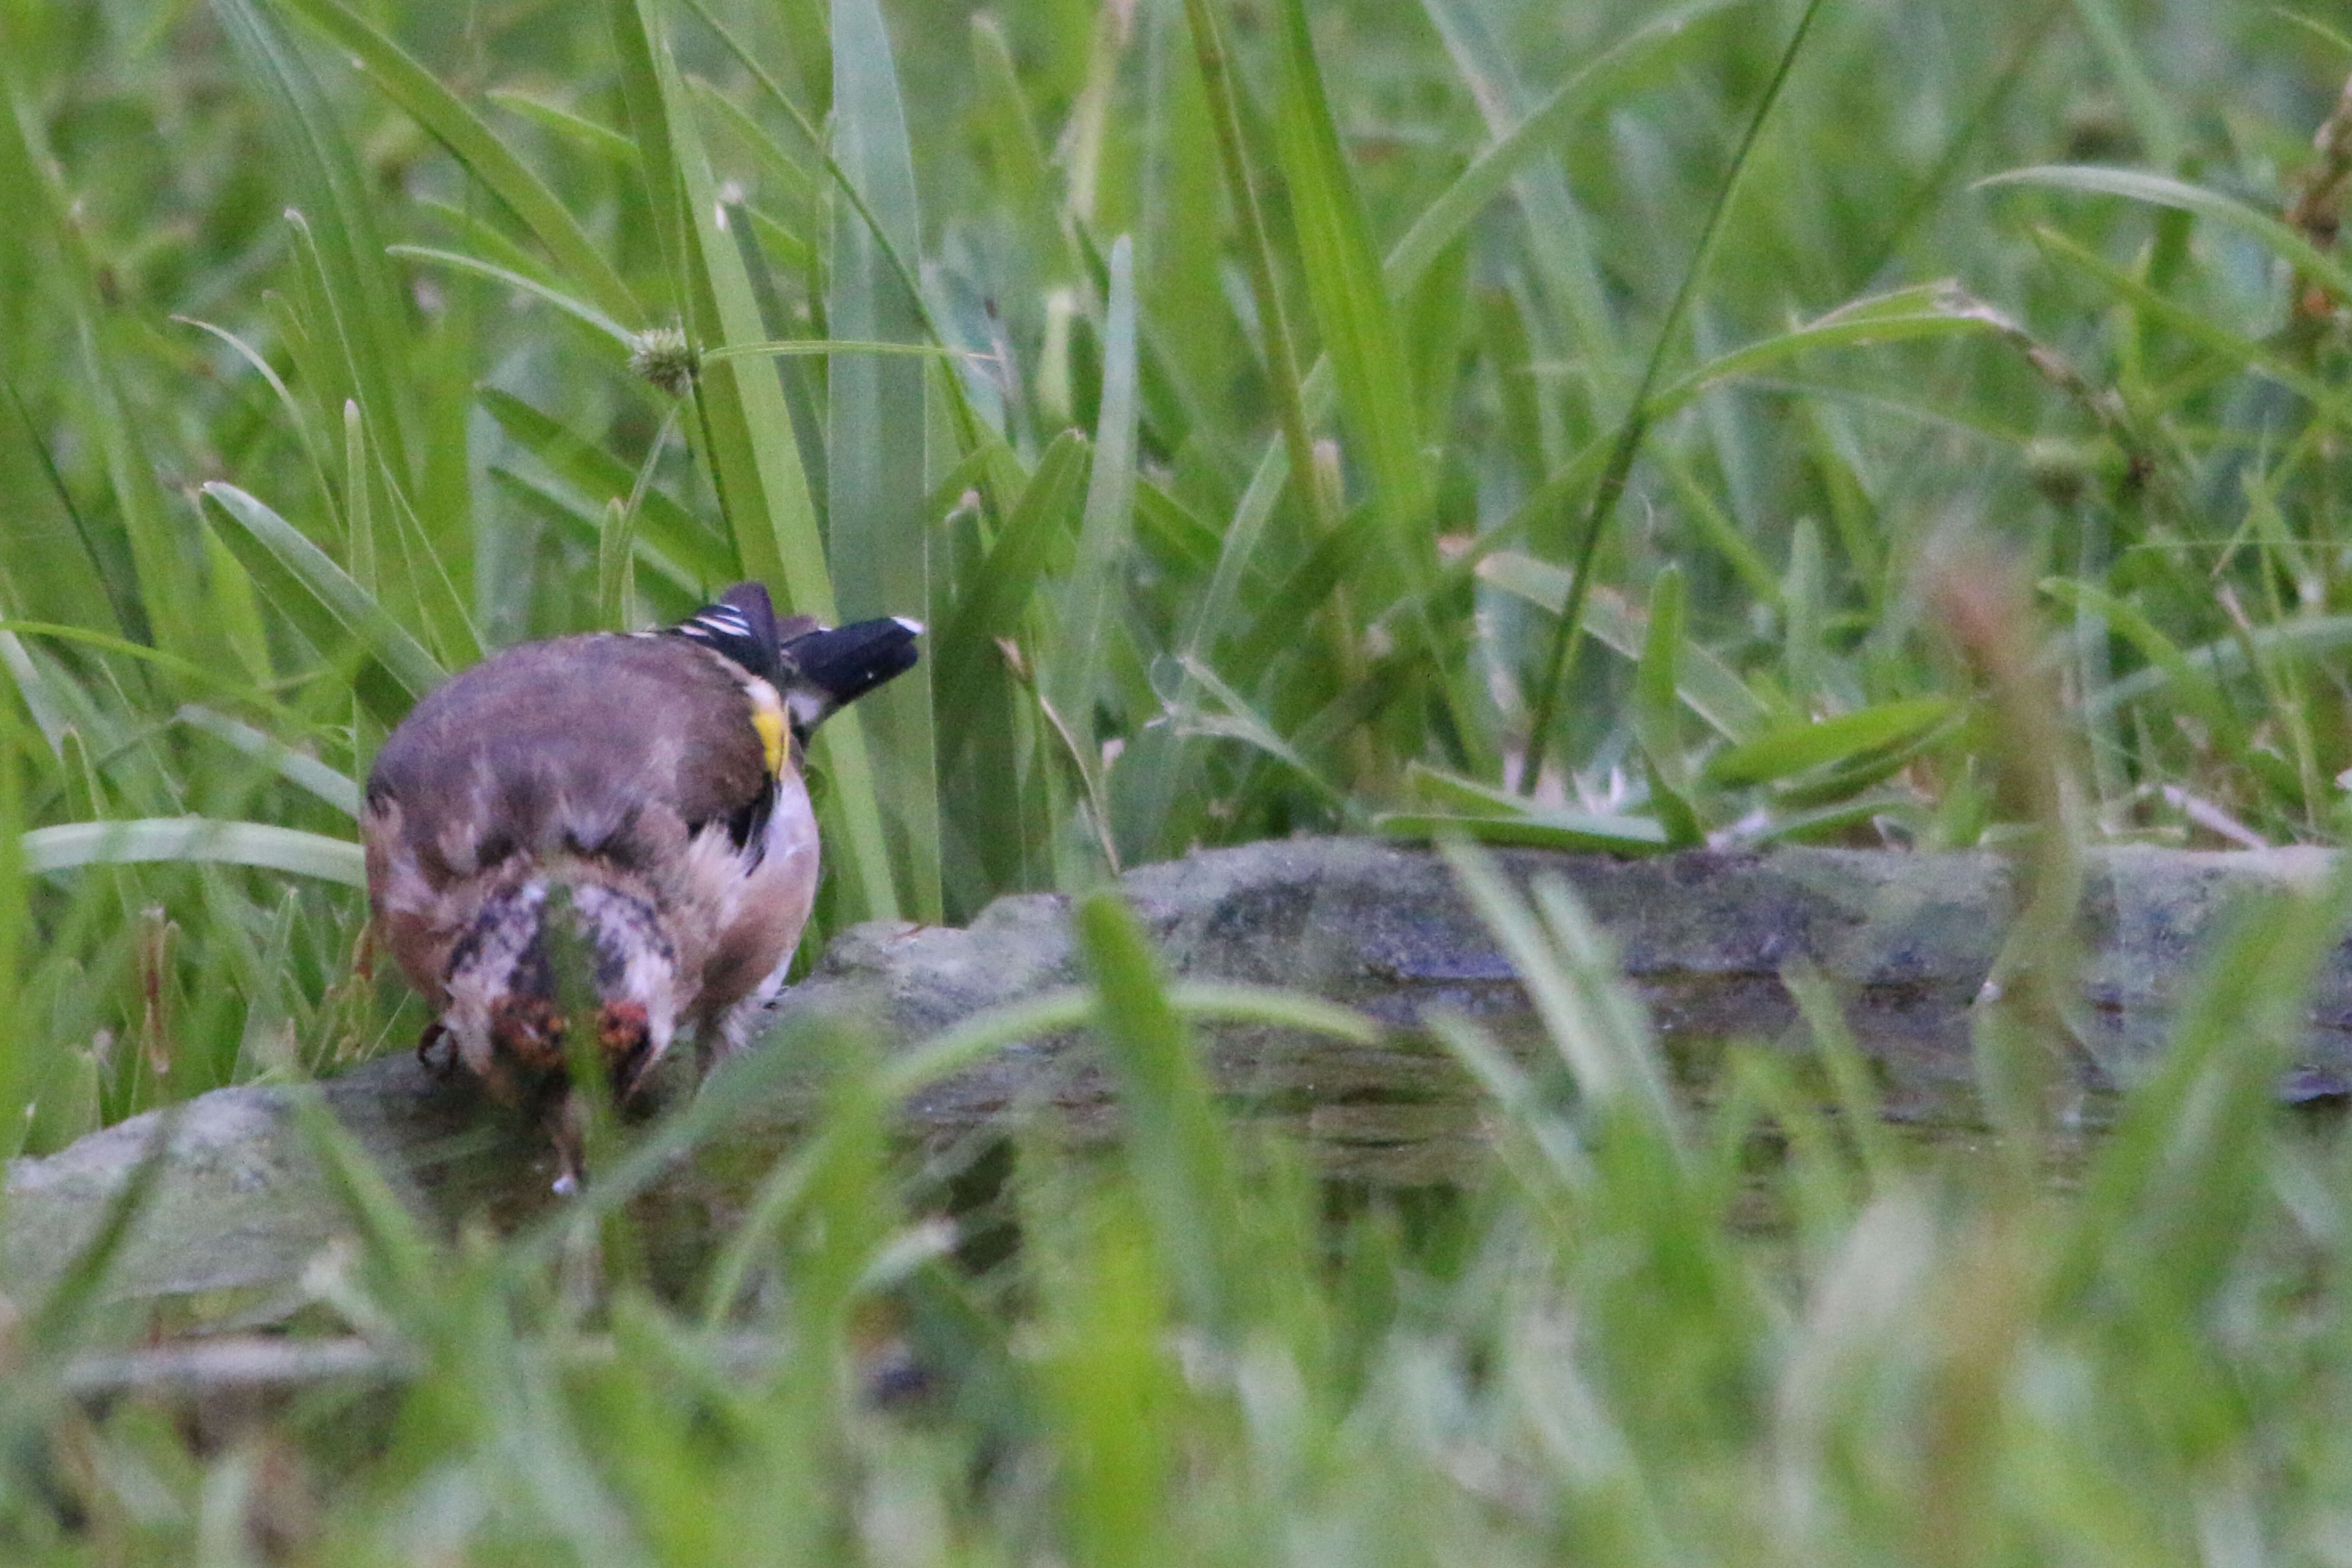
<point x="568" y="1127"/>
<point x="437" y="1051"/>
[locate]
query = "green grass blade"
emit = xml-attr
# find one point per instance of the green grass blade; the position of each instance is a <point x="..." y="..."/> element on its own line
<point x="160" y="575"/>
<point x="359" y="504"/>
<point x="1175" y="1145"/>
<point x="1012" y="573"/>
<point x="876" y="530"/>
<point x="2263" y="358"/>
<point x="1072" y="675"/>
<point x="73" y="844"/>
<point x="579" y="311"/>
<point x="2191" y="685"/>
<point x="301" y="571"/>
<point x="1559" y="662"/>
<point x="1439" y="226"/>
<point x="1279" y="353"/>
<point x="1235" y="720"/>
<point x="1593" y="1023"/>
<point x="802" y="381"/>
<point x="1566" y="309"/>
<point x="340" y="228"/>
<point x="588" y="135"/>
<point x="2163" y="191"/>
<point x="1707" y="686"/>
<point x="762" y="486"/>
<point x="1794" y="748"/>
<point x="2145" y="103"/>
<point x="1024" y="185"/>
<point x="421" y="576"/>
<point x="44" y="704"/>
<point x="1358" y="320"/>
<point x="638" y="45"/>
<point x="300" y="769"/>
<point x="1906" y="315"/>
<point x="1572" y="832"/>
<point x="1849" y="1072"/>
<point x="701" y="560"/>
<point x="22" y="1063"/>
<point x="2309" y="639"/>
<point x="1632" y="60"/>
<point x="474" y="145"/>
<point x="1526" y="1110"/>
<point x="748" y="435"/>
<point x="884" y="235"/>
<point x="1655" y="706"/>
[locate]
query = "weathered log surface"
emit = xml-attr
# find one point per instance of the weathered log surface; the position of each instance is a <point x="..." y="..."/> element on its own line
<point x="1703" y="935"/>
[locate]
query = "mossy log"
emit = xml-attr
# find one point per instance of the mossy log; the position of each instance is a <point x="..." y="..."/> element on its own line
<point x="1907" y="939"/>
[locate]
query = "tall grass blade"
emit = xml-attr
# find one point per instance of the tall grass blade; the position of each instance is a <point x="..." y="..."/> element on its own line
<point x="747" y="436"/>
<point x="300" y="769"/>
<point x="1012" y="572"/>
<point x="159" y="562"/>
<point x="1655" y="710"/>
<point x="1357" y="319"/>
<point x="697" y="559"/>
<point x="875" y="425"/>
<point x="1791" y="749"/>
<point x="320" y="596"/>
<point x="1074" y="676"/>
<point x="472" y="144"/>
<point x="1560" y="660"/>
<point x="22" y="1066"/>
<point x="580" y="311"/>
<point x="1176" y="1147"/>
<point x="180" y="839"/>
<point x="2163" y="191"/>
<point x="1708" y="687"/>
<point x="1570" y="974"/>
<point x="340" y="223"/>
<point x="1505" y="162"/>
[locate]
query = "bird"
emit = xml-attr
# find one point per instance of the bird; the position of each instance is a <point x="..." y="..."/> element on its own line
<point x="610" y="833"/>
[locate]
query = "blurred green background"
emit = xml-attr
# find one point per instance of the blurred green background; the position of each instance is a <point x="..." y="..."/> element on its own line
<point x="1603" y="426"/>
<point x="318" y="325"/>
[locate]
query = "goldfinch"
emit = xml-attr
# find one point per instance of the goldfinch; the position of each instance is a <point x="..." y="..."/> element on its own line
<point x="618" y="816"/>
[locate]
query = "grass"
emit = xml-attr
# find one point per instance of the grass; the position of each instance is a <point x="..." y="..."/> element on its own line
<point x="1741" y="423"/>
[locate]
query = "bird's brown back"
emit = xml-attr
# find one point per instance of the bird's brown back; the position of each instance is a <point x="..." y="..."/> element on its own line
<point x="598" y="745"/>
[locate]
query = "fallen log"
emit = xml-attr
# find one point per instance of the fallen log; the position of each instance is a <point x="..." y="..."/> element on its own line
<point x="1907" y="939"/>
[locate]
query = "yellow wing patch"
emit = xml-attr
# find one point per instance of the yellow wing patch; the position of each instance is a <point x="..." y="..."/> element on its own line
<point x="768" y="718"/>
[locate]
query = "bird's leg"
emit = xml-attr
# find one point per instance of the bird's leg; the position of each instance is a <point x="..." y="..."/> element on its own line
<point x="567" y="1128"/>
<point x="437" y="1050"/>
